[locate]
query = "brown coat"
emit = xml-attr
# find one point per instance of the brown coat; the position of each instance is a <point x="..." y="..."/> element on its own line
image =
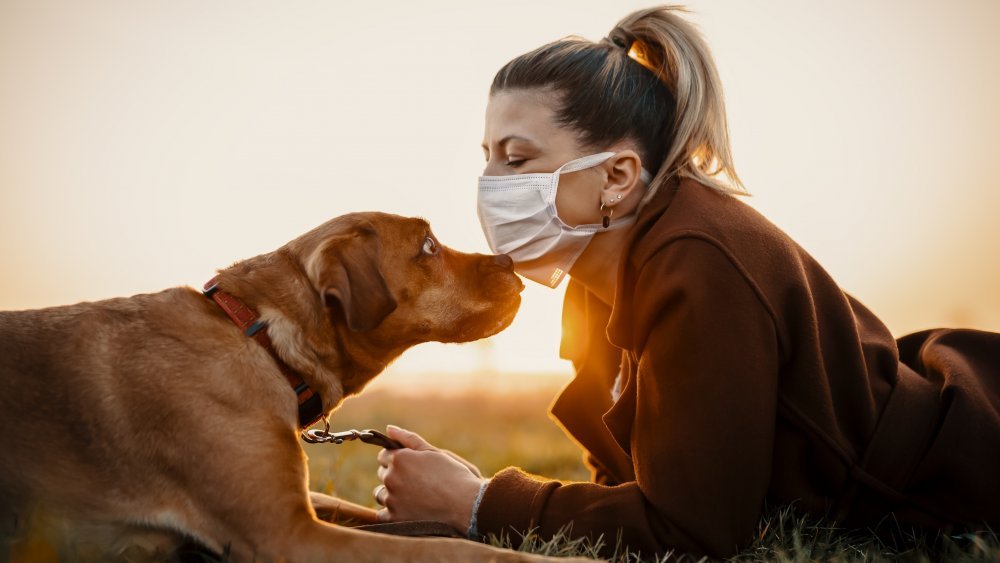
<point x="748" y="375"/>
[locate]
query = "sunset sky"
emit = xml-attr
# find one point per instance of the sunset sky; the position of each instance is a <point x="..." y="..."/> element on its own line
<point x="145" y="144"/>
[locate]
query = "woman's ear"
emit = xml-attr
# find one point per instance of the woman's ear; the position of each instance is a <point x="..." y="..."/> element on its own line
<point x="623" y="170"/>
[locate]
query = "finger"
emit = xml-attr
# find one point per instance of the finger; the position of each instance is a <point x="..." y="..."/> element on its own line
<point x="381" y="472"/>
<point x="383" y="516"/>
<point x="380" y="493"/>
<point x="409" y="439"/>
<point x="385" y="457"/>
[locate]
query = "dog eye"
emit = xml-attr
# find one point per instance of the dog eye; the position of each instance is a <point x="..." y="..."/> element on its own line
<point x="430" y="246"/>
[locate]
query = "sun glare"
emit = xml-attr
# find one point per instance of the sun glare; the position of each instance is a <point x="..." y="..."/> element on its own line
<point x="127" y="166"/>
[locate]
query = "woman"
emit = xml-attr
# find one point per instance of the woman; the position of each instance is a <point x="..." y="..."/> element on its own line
<point x="718" y="366"/>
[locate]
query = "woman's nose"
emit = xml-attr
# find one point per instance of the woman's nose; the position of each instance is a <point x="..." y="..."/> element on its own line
<point x="503" y="261"/>
<point x="495" y="168"/>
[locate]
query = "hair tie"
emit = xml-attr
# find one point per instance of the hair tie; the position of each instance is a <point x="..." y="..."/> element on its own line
<point x="634" y="49"/>
<point x="638" y="52"/>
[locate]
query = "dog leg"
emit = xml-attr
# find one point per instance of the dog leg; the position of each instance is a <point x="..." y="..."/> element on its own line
<point x="339" y="511"/>
<point x="263" y="512"/>
<point x="321" y="542"/>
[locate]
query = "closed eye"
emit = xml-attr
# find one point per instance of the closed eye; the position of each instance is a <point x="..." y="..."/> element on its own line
<point x="431" y="247"/>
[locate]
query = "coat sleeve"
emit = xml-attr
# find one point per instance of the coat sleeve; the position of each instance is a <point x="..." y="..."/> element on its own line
<point x="699" y="419"/>
<point x="598" y="473"/>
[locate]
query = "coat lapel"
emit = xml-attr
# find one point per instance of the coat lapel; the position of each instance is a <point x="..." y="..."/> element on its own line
<point x="594" y="337"/>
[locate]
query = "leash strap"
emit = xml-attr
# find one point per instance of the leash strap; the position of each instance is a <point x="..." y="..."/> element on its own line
<point x="369" y="436"/>
<point x="414" y="529"/>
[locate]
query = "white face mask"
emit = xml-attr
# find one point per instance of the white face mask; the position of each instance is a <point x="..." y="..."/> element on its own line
<point x="519" y="218"/>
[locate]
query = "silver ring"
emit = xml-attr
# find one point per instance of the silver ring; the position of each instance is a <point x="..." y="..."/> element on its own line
<point x="377" y="493"/>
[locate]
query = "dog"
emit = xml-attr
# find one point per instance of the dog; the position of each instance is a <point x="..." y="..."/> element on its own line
<point x="166" y="412"/>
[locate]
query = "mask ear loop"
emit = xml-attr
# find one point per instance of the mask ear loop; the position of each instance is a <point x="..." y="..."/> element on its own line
<point x="591" y="161"/>
<point x="582" y="163"/>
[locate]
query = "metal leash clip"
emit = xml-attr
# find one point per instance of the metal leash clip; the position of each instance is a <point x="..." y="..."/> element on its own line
<point x="368" y="436"/>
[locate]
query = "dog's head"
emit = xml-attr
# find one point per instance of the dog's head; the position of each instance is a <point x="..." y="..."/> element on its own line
<point x="389" y="277"/>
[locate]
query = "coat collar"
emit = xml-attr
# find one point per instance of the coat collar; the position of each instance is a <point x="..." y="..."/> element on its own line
<point x="640" y="247"/>
<point x="582" y="311"/>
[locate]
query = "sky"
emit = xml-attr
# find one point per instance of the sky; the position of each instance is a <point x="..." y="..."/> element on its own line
<point x="144" y="145"/>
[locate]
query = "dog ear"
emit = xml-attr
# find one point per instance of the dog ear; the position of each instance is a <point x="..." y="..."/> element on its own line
<point x="346" y="268"/>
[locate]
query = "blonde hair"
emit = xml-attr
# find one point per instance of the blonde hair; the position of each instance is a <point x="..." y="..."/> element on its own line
<point x="652" y="80"/>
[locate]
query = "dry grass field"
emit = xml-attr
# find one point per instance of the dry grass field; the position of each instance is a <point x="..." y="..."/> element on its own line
<point x="497" y="429"/>
<point x="492" y="430"/>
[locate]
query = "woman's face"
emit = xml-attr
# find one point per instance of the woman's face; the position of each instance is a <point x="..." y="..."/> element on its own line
<point x="522" y="137"/>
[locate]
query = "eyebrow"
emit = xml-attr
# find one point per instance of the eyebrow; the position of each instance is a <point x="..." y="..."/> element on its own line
<point x="509" y="138"/>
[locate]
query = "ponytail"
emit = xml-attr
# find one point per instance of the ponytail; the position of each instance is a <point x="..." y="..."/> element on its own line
<point x="672" y="48"/>
<point x="652" y="81"/>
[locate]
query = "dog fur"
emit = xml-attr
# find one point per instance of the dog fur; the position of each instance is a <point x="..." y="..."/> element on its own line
<point x="155" y="412"/>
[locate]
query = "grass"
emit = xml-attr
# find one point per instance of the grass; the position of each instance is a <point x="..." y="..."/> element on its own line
<point x="494" y="430"/>
<point x="497" y="430"/>
<point x="785" y="536"/>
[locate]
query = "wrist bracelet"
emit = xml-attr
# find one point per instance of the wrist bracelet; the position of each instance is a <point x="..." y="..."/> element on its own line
<point x="473" y="532"/>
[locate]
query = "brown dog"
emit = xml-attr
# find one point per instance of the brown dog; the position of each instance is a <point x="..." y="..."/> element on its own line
<point x="157" y="412"/>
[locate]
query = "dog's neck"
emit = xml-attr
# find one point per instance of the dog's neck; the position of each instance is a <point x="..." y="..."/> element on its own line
<point x="365" y="355"/>
<point x="334" y="361"/>
<point x="310" y="406"/>
<point x="273" y="285"/>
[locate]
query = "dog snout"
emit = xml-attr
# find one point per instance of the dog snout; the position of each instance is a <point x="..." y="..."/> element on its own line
<point x="503" y="261"/>
<point x="499" y="269"/>
<point x="490" y="264"/>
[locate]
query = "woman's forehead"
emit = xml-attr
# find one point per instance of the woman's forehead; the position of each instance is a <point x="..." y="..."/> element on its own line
<point x="525" y="115"/>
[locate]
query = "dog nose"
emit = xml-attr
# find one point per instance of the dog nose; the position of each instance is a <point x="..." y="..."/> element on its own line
<point x="503" y="261"/>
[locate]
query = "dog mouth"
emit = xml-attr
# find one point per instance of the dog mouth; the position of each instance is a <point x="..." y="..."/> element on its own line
<point x="490" y="322"/>
<point x="520" y="285"/>
<point x="507" y="314"/>
<point x="504" y="312"/>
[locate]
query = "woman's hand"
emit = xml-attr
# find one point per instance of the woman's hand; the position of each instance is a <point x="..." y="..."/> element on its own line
<point x="421" y="482"/>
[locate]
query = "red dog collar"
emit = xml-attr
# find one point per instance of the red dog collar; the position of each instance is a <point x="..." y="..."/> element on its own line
<point x="310" y="405"/>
